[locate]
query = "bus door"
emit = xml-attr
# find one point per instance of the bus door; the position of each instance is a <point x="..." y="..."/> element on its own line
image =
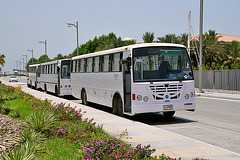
<point x="58" y="79"/>
<point x="38" y="76"/>
<point x="127" y="85"/>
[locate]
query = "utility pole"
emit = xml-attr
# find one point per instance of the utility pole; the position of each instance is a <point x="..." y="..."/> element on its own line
<point x="76" y="26"/>
<point x="189" y="31"/>
<point x="20" y="66"/>
<point x="23" y="64"/>
<point x="201" y="47"/>
<point x="26" y="62"/>
<point x="44" y="42"/>
<point x="17" y="65"/>
<point x="32" y="54"/>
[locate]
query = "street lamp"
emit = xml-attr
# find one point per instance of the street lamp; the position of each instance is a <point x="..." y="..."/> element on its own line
<point x="44" y="42"/>
<point x="32" y="54"/>
<point x="75" y="25"/>
<point x="23" y="65"/>
<point x="26" y="62"/>
<point x="17" y="65"/>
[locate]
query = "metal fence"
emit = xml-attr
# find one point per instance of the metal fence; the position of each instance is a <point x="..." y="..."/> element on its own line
<point x="223" y="79"/>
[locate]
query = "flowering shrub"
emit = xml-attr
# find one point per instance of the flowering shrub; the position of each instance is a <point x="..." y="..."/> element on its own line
<point x="63" y="112"/>
<point x="114" y="149"/>
<point x="37" y="104"/>
<point x="93" y="142"/>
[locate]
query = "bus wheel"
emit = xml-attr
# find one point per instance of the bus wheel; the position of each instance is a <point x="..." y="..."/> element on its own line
<point x="45" y="88"/>
<point x="35" y="85"/>
<point x="56" y="90"/>
<point x="84" y="98"/>
<point x="169" y="114"/>
<point x="119" y="106"/>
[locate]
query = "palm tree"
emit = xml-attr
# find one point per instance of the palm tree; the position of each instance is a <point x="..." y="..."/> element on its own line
<point x="211" y="47"/>
<point x="232" y="50"/>
<point x="148" y="37"/>
<point x="169" y="38"/>
<point x="2" y="59"/>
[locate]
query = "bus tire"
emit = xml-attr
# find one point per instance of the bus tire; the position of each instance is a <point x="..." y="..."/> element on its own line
<point x="84" y="98"/>
<point x="169" y="114"/>
<point x="36" y="85"/>
<point x="56" y="91"/>
<point x="45" y="88"/>
<point x="117" y="105"/>
<point x="120" y="106"/>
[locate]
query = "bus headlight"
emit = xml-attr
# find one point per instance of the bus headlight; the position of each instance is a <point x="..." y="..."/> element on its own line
<point x="191" y="94"/>
<point x="145" y="99"/>
<point x="139" y="97"/>
<point x="186" y="96"/>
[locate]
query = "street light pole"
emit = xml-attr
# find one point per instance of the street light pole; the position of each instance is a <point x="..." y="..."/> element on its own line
<point x="44" y="42"/>
<point x="32" y="54"/>
<point x="23" y="64"/>
<point x="26" y="62"/>
<point x="20" y="66"/>
<point x="201" y="47"/>
<point x="75" y="25"/>
<point x="17" y="65"/>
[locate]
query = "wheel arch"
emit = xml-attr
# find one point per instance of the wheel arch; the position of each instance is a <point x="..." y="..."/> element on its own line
<point x="114" y="102"/>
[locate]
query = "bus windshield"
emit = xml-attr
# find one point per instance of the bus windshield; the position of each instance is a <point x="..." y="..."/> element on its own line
<point x="161" y="64"/>
<point x="66" y="69"/>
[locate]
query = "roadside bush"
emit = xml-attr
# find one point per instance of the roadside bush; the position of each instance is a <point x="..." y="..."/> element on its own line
<point x="23" y="152"/>
<point x="40" y="121"/>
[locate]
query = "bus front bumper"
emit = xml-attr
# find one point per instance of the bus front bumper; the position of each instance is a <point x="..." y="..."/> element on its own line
<point x="153" y="108"/>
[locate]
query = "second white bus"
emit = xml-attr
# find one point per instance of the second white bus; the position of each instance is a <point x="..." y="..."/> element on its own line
<point x="55" y="77"/>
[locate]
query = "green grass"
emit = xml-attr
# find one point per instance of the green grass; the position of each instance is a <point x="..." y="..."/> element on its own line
<point x="20" y="105"/>
<point x="58" y="148"/>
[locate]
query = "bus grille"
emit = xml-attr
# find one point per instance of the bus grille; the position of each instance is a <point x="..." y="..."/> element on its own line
<point x="172" y="90"/>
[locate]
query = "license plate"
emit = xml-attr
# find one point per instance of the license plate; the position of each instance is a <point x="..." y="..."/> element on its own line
<point x="168" y="107"/>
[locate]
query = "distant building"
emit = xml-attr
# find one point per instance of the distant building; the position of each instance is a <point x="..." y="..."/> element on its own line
<point x="129" y="39"/>
<point x="222" y="37"/>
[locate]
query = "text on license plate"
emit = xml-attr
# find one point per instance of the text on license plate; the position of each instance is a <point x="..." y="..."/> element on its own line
<point x="168" y="107"/>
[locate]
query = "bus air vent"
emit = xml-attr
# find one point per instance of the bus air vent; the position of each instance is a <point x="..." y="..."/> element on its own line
<point x="173" y="90"/>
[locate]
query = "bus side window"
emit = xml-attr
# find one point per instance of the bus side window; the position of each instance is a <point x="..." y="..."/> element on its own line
<point x="96" y="64"/>
<point x="47" y="69"/>
<point x="116" y="62"/>
<point x="89" y="64"/>
<point x="73" y="66"/>
<point x="55" y="66"/>
<point x="78" y="66"/>
<point x="82" y="65"/>
<point x="53" y="69"/>
<point x="106" y="63"/>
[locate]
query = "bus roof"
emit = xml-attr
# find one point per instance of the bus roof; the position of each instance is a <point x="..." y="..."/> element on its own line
<point x="34" y="65"/>
<point x="52" y="62"/>
<point x="130" y="47"/>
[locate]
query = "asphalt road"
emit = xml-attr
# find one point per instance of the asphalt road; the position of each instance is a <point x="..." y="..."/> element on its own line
<point x="215" y="121"/>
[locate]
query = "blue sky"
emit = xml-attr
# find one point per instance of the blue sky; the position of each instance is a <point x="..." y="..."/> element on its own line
<point x="24" y="22"/>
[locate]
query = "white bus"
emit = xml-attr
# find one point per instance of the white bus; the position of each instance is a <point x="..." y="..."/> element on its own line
<point x="34" y="76"/>
<point x="55" y="77"/>
<point x="141" y="78"/>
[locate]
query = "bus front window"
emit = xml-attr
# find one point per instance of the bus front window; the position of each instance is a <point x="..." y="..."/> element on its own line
<point x="161" y="63"/>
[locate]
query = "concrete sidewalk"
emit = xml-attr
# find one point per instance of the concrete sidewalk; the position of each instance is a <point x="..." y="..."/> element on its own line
<point x="163" y="141"/>
<point x="219" y="95"/>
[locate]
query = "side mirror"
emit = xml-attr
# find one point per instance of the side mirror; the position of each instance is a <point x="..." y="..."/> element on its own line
<point x="58" y="68"/>
<point x="129" y="61"/>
